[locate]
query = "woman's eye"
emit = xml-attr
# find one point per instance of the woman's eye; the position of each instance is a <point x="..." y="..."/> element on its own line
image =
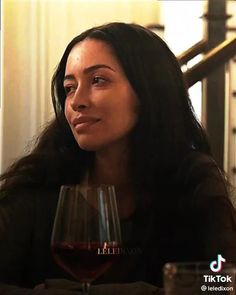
<point x="69" y="90"/>
<point x="97" y="80"/>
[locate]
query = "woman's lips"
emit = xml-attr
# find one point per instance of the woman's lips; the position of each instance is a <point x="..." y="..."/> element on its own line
<point x="82" y="123"/>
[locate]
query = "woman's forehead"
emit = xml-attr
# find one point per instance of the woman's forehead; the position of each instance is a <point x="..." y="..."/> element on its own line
<point x="92" y="52"/>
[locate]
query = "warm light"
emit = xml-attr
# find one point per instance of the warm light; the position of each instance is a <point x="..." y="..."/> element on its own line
<point x="184" y="28"/>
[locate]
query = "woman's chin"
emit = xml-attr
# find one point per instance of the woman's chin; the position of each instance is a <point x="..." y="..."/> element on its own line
<point x="89" y="147"/>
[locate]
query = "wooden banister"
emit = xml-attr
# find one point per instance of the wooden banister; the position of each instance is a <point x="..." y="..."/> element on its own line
<point x="212" y="60"/>
<point x="193" y="51"/>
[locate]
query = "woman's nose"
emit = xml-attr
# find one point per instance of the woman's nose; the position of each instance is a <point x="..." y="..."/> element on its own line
<point x="80" y="100"/>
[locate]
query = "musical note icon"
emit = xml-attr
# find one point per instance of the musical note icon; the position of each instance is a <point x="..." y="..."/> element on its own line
<point x="216" y="265"/>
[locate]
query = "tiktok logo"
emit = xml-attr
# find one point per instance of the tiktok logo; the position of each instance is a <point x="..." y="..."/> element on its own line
<point x="216" y="265"/>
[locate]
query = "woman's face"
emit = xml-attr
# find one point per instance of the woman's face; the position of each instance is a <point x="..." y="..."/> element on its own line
<point x="101" y="106"/>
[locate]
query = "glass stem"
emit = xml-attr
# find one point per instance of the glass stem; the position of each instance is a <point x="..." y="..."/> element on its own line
<point x="85" y="288"/>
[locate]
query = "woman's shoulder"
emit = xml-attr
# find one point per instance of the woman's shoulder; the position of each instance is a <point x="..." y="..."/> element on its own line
<point x="24" y="206"/>
<point x="21" y="195"/>
<point x="203" y="185"/>
<point x="24" y="199"/>
<point x="199" y="169"/>
<point x="195" y="159"/>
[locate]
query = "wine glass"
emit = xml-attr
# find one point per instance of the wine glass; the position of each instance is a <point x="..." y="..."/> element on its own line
<point x="86" y="234"/>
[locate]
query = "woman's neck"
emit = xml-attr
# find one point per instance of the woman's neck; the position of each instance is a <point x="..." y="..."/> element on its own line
<point x="112" y="168"/>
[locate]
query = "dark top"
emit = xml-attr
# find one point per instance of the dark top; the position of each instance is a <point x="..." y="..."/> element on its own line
<point x="195" y="222"/>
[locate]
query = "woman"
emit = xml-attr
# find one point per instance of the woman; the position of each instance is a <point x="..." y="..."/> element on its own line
<point x="123" y="116"/>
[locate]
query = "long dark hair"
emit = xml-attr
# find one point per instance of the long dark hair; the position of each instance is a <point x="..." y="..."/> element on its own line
<point x="166" y="130"/>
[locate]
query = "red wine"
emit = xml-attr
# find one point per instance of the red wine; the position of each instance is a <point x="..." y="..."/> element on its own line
<point x="85" y="261"/>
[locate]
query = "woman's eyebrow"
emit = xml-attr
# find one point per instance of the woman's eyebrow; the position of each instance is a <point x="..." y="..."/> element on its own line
<point x="97" y="66"/>
<point x="89" y="70"/>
